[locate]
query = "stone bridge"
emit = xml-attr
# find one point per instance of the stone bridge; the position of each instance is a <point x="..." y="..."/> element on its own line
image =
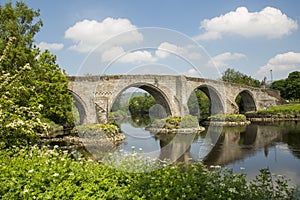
<point x="95" y="95"/>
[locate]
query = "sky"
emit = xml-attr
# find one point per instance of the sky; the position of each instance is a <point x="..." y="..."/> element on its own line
<point x="259" y="38"/>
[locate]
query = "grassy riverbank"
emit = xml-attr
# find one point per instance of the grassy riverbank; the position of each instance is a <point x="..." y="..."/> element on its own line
<point x="34" y="173"/>
<point x="285" y="112"/>
<point x="293" y="108"/>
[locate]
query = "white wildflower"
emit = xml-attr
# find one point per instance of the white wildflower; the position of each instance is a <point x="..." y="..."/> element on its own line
<point x="55" y="174"/>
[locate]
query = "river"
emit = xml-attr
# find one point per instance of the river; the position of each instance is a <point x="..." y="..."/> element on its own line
<point x="246" y="149"/>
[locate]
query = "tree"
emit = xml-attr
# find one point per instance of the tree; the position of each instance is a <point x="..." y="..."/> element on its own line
<point x="293" y="86"/>
<point x="199" y="104"/>
<point x="19" y="122"/>
<point x="51" y="86"/>
<point x="141" y="104"/>
<point x="232" y="76"/>
<point x="290" y="87"/>
<point x="281" y="86"/>
<point x="18" y="22"/>
<point x="18" y="26"/>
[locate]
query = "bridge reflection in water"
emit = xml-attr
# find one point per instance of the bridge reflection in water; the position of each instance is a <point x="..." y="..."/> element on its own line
<point x="231" y="144"/>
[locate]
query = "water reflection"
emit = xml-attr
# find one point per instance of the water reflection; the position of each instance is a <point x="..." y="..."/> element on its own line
<point x="273" y="145"/>
<point x="236" y="144"/>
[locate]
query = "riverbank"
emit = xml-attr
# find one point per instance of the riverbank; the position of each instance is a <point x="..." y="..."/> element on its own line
<point x="86" y="135"/>
<point x="227" y="120"/>
<point x="285" y="112"/>
<point x="175" y="131"/>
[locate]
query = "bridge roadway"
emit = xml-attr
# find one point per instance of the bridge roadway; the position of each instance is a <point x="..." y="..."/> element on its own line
<point x="95" y="95"/>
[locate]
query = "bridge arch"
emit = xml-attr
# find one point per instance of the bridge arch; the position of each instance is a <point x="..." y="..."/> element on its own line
<point x="80" y="105"/>
<point x="216" y="103"/>
<point x="245" y="101"/>
<point x="159" y="96"/>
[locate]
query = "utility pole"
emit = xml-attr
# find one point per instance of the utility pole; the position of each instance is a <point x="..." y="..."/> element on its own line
<point x="271" y="75"/>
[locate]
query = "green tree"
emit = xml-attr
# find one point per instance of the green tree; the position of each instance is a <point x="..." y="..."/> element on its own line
<point x="232" y="76"/>
<point x="199" y="104"/>
<point x="18" y="26"/>
<point x="18" y="22"/>
<point x="19" y="121"/>
<point x="281" y="86"/>
<point x="51" y="86"/>
<point x="290" y="87"/>
<point x="293" y="86"/>
<point x="141" y="104"/>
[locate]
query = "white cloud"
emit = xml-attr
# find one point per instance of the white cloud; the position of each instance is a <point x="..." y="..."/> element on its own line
<point x="188" y="52"/>
<point x="221" y="59"/>
<point x="88" y="34"/>
<point x="269" y="22"/>
<point x="112" y="54"/>
<point x="119" y="55"/>
<point x="281" y="63"/>
<point x="138" y="57"/>
<point x="50" y="46"/>
<point x="193" y="73"/>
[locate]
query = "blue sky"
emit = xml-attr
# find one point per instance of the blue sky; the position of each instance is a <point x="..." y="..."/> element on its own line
<point x="251" y="36"/>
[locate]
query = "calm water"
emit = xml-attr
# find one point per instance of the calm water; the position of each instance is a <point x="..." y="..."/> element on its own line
<point x="245" y="149"/>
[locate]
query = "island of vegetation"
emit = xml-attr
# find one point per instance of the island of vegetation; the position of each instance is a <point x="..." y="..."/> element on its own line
<point x="187" y="124"/>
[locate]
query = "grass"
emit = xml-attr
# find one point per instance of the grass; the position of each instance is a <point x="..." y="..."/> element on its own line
<point x="293" y="108"/>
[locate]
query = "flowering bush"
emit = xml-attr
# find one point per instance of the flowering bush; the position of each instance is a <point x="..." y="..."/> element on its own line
<point x="41" y="173"/>
<point x="19" y="122"/>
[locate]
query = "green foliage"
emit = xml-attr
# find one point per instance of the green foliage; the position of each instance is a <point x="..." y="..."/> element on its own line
<point x="232" y="76"/>
<point x="172" y="122"/>
<point x="228" y="117"/>
<point x="48" y="84"/>
<point x="176" y="122"/>
<point x="51" y="86"/>
<point x="34" y="173"/>
<point x="141" y="104"/>
<point x="110" y="130"/>
<point x="19" y="121"/>
<point x="266" y="186"/>
<point x="199" y="104"/>
<point x="18" y="22"/>
<point x="158" y="123"/>
<point x="293" y="108"/>
<point x="290" y="87"/>
<point x="119" y="114"/>
<point x="189" y="122"/>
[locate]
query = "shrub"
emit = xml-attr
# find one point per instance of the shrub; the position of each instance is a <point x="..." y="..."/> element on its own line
<point x="176" y="122"/>
<point x="189" y="122"/>
<point x="110" y="130"/>
<point x="40" y="173"/>
<point x="228" y="117"/>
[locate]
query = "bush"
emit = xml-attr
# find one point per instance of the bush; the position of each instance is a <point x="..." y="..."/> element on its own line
<point x="228" y="117"/>
<point x="34" y="173"/>
<point x="189" y="122"/>
<point x="110" y="130"/>
<point x="176" y="122"/>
